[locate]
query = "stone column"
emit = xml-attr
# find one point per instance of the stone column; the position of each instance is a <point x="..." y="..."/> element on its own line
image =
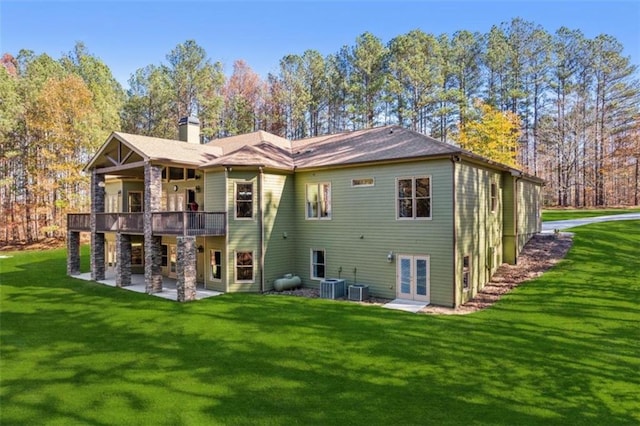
<point x="152" y="244"/>
<point x="123" y="260"/>
<point x="186" y="269"/>
<point x="97" y="239"/>
<point x="73" y="253"/>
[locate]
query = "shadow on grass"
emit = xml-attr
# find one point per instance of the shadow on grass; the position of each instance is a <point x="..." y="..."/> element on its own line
<point x="559" y="350"/>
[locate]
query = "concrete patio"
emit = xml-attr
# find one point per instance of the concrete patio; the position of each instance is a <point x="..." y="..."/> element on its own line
<point x="168" y="292"/>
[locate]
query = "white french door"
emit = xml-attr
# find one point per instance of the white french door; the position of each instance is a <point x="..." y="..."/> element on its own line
<point x="413" y="278"/>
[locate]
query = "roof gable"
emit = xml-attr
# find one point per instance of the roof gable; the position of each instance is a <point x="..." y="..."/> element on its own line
<point x="122" y="149"/>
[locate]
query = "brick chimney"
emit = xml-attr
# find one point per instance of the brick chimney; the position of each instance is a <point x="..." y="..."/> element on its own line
<point x="189" y="130"/>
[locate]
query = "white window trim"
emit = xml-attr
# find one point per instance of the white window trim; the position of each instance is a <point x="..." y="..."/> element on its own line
<point x="413" y="179"/>
<point x="211" y="278"/>
<point x="235" y="267"/>
<point x="311" y="274"/>
<point x="306" y="207"/>
<point x="235" y="200"/>
<point x="468" y="271"/>
<point x="493" y="199"/>
<point x="363" y="185"/>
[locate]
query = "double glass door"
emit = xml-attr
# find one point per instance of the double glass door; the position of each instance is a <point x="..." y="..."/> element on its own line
<point x="413" y="278"/>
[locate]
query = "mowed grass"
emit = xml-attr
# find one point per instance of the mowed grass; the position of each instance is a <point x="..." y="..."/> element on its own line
<point x="563" y="349"/>
<point x="564" y="214"/>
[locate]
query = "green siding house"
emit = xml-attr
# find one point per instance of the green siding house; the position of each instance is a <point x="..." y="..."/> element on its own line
<point x="408" y="216"/>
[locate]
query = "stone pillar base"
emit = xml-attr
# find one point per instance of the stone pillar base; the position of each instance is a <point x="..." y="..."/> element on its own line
<point x="153" y="264"/>
<point x="97" y="256"/>
<point x="73" y="253"/>
<point x="123" y="260"/>
<point x="186" y="269"/>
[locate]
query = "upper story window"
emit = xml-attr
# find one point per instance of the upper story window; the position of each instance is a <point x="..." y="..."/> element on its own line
<point x="414" y="197"/>
<point x="244" y="200"/>
<point x="494" y="197"/>
<point x="176" y="173"/>
<point x="135" y="202"/>
<point x="319" y="201"/>
<point x="362" y="182"/>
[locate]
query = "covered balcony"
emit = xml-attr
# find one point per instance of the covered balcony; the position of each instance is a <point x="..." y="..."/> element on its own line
<point x="183" y="223"/>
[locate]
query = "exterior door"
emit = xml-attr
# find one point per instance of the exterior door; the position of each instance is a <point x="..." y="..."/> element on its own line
<point x="413" y="278"/>
<point x="110" y="259"/>
<point x="173" y="261"/>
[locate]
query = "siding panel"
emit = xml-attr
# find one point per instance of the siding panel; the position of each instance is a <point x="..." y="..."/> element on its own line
<point x="363" y="228"/>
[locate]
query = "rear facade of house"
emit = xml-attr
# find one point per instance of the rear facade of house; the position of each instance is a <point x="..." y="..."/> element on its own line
<point x="406" y="215"/>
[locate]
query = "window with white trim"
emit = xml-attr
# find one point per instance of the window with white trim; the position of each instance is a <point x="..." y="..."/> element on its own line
<point x="244" y="200"/>
<point x="466" y="273"/>
<point x="318" y="201"/>
<point x="362" y="182"/>
<point x="215" y="264"/>
<point x="244" y="266"/>
<point x="413" y="197"/>
<point x="318" y="264"/>
<point x="494" y="197"/>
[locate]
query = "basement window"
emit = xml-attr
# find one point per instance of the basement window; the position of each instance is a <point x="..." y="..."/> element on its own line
<point x="466" y="273"/>
<point x="318" y="264"/>
<point x="244" y="266"/>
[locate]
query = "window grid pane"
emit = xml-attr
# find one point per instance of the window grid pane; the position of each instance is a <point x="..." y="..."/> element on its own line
<point x="318" y="264"/>
<point x="244" y="266"/>
<point x="244" y="200"/>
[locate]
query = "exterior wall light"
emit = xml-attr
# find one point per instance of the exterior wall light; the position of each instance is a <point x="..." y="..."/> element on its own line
<point x="390" y="257"/>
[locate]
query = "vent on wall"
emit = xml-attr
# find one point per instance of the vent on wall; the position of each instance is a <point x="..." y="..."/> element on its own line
<point x="332" y="288"/>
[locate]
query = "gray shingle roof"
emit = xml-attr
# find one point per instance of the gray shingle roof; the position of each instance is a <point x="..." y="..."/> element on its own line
<point x="233" y="143"/>
<point x="371" y="145"/>
<point x="263" y="155"/>
<point x="168" y="149"/>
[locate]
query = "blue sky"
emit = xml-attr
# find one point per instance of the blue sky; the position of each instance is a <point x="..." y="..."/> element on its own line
<point x="129" y="35"/>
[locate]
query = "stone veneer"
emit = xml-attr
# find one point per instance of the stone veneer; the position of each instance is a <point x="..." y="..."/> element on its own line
<point x="73" y="253"/>
<point x="186" y="269"/>
<point x="152" y="244"/>
<point x="97" y="240"/>
<point x="123" y="260"/>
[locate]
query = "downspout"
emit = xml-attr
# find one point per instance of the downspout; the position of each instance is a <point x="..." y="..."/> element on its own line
<point x="515" y="219"/>
<point x="454" y="159"/>
<point x="261" y="225"/>
<point x="226" y="229"/>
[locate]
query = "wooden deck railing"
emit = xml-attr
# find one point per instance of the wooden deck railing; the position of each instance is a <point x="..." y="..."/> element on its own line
<point x="189" y="223"/>
<point x="162" y="223"/>
<point x="79" y="222"/>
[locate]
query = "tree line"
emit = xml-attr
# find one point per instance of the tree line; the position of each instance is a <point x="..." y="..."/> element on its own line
<point x="575" y="102"/>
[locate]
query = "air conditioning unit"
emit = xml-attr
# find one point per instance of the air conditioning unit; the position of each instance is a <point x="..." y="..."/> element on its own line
<point x="332" y="288"/>
<point x="358" y="292"/>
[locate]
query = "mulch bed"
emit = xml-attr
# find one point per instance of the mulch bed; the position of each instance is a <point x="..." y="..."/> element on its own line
<point x="538" y="255"/>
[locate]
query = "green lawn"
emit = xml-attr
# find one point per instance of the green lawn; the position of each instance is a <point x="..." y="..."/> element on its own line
<point x="561" y="350"/>
<point x="564" y="214"/>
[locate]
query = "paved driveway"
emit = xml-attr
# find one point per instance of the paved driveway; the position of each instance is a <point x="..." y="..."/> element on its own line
<point x="548" y="227"/>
